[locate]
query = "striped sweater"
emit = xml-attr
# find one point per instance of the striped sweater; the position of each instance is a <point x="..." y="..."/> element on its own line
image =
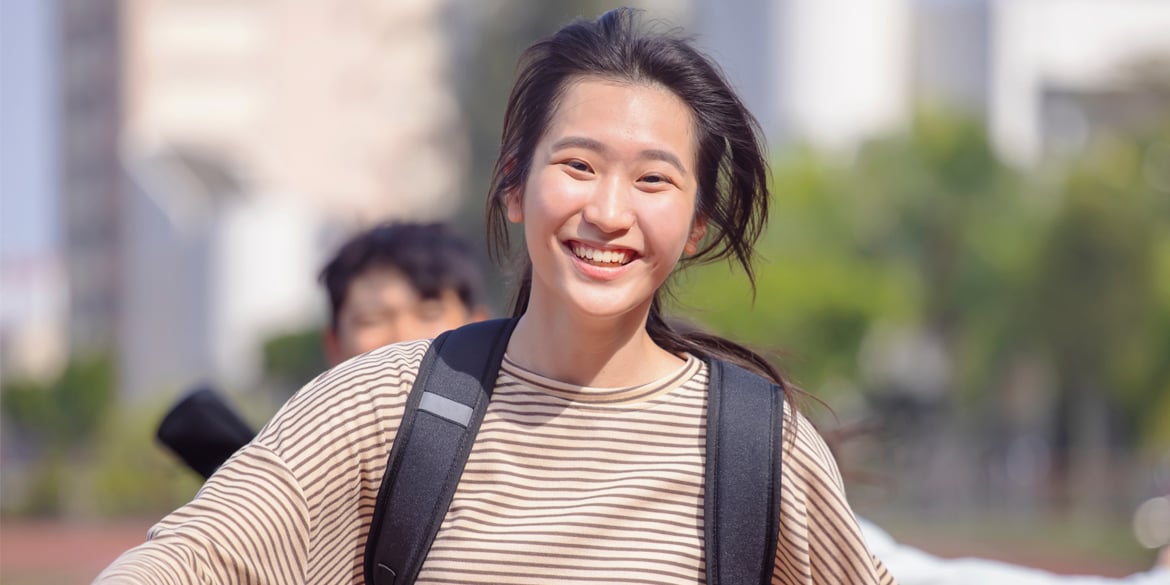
<point x="565" y="484"/>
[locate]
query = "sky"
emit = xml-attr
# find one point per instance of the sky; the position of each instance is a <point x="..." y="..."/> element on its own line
<point x="27" y="142"/>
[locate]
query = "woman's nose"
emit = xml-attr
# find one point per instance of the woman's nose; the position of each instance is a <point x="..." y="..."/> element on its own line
<point x="609" y="207"/>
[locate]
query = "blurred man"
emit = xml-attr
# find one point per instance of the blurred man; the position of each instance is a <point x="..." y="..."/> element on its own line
<point x="399" y="282"/>
<point x="395" y="282"/>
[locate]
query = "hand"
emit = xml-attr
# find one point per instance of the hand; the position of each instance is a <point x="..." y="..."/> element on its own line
<point x="1163" y="558"/>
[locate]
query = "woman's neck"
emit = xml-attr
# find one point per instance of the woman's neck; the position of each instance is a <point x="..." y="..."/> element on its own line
<point x="611" y="352"/>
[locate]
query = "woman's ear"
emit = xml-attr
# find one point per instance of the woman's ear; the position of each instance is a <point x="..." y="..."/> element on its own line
<point x="514" y="205"/>
<point x="698" y="230"/>
<point x="513" y="198"/>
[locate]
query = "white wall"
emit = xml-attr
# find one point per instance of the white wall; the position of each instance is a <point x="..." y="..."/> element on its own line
<point x="206" y="284"/>
<point x="847" y="69"/>
<point x="265" y="259"/>
<point x="1067" y="43"/>
<point x="829" y="72"/>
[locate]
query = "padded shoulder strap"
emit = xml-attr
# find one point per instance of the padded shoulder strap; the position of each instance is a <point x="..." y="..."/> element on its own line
<point x="442" y="416"/>
<point x="741" y="502"/>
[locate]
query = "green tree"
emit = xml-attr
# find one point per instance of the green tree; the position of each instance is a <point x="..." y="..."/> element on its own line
<point x="293" y="359"/>
<point x="815" y="296"/>
<point x="1098" y="306"/>
<point x="60" y="420"/>
<point x="923" y="229"/>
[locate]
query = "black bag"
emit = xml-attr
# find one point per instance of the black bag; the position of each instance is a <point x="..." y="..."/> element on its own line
<point x="203" y="430"/>
<point x="447" y="403"/>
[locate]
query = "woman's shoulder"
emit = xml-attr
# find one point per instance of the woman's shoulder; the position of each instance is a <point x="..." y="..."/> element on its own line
<point x="367" y="390"/>
<point x="365" y="372"/>
<point x="807" y="449"/>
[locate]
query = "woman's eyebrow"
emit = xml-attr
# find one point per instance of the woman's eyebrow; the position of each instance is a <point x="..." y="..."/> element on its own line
<point x="598" y="147"/>
<point x="666" y="157"/>
<point x="580" y="142"/>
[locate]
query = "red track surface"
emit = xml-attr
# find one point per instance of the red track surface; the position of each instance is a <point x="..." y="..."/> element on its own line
<point x="52" y="552"/>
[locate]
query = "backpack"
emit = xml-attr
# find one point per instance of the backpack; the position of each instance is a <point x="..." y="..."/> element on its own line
<point x="741" y="507"/>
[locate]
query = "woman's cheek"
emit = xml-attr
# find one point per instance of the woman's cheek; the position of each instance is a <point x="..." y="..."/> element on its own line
<point x="560" y="194"/>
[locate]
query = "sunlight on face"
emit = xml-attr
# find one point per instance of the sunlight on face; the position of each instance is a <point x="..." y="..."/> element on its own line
<point x="608" y="207"/>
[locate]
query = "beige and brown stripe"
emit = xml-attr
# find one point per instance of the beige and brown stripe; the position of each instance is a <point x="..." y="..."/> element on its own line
<point x="565" y="484"/>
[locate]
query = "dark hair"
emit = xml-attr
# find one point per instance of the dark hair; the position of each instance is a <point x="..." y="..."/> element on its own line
<point x="731" y="169"/>
<point x="432" y="256"/>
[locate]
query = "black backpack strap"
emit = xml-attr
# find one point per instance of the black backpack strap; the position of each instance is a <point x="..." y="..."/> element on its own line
<point x="741" y="502"/>
<point x="443" y="413"/>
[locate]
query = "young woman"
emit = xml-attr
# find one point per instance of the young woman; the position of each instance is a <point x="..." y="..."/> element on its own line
<point x="624" y="154"/>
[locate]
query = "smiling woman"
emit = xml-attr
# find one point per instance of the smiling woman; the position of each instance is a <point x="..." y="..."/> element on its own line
<point x="608" y="209"/>
<point x="625" y="153"/>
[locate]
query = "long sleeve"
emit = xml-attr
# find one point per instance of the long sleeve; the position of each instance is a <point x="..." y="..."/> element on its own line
<point x="916" y="567"/>
<point x="248" y="524"/>
<point x="293" y="506"/>
<point x="819" y="542"/>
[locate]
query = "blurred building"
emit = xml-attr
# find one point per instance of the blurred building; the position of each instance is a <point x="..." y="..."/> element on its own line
<point x="346" y="105"/>
<point x="833" y="73"/>
<point x="212" y="271"/>
<point x="88" y="36"/>
<point x="827" y="72"/>
<point x="210" y="155"/>
<point x="252" y="131"/>
<point x="950" y="53"/>
<point x="1060" y="69"/>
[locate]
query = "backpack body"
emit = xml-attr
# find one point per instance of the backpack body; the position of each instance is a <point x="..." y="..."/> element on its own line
<point x="446" y="405"/>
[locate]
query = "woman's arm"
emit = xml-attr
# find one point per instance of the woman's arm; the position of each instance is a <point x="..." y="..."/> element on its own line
<point x="287" y="507"/>
<point x="248" y="524"/>
<point x="820" y="541"/>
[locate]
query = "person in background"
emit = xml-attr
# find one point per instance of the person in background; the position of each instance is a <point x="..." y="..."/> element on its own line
<point x="399" y="282"/>
<point x="395" y="282"/>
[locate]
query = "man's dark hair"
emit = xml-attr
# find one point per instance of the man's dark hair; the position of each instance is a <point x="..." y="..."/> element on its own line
<point x="432" y="256"/>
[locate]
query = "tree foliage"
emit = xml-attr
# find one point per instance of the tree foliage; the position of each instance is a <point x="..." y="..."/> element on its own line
<point x="926" y="231"/>
<point x="64" y="413"/>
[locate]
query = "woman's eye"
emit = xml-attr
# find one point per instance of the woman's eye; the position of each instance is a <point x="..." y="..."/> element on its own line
<point x="578" y="166"/>
<point x="656" y="179"/>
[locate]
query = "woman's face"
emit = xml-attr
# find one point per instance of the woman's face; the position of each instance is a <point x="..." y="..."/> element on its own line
<point x="609" y="204"/>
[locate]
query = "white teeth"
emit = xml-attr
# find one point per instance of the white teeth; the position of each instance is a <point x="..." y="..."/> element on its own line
<point x="600" y="256"/>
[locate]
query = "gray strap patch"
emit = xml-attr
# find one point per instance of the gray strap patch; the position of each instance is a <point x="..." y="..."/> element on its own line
<point x="446" y="408"/>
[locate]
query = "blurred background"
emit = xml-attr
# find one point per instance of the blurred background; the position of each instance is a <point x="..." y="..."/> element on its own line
<point x="968" y="259"/>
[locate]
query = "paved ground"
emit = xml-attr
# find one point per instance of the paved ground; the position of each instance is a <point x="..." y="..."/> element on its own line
<point x="1040" y="557"/>
<point x="52" y="553"/>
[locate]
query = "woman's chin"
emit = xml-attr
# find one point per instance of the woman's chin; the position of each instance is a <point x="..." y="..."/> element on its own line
<point x="607" y="306"/>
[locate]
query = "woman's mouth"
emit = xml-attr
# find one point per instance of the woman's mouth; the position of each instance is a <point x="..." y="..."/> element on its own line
<point x="602" y="258"/>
